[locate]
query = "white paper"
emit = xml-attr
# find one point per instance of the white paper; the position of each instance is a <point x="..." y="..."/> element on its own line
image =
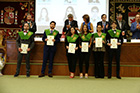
<point x="24" y="48"/>
<point x="98" y="42"/>
<point x="114" y="44"/>
<point x="50" y="42"/>
<point x="72" y="47"/>
<point x="84" y="47"/>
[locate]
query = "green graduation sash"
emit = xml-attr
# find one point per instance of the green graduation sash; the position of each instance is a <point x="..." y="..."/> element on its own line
<point x="72" y="39"/>
<point x="54" y="33"/>
<point x="86" y="37"/>
<point x="112" y="34"/>
<point x="103" y="35"/>
<point x="27" y="36"/>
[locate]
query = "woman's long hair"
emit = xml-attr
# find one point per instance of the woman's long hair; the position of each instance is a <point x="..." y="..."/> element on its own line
<point x="69" y="33"/>
<point x="83" y="29"/>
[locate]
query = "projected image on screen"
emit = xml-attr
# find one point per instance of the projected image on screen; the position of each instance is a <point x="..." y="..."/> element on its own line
<point x="69" y="10"/>
<point x="58" y="10"/>
<point x="43" y="18"/>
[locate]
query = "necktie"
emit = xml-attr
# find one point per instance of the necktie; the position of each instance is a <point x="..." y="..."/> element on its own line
<point x="104" y="28"/>
<point x="51" y="31"/>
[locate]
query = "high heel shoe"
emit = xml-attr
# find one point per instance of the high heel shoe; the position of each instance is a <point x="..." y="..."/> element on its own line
<point x="86" y="75"/>
<point x="71" y="75"/>
<point x="81" y="75"/>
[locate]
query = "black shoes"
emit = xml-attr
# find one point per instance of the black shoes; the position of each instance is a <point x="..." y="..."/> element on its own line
<point x="16" y="75"/>
<point x="28" y="75"/>
<point x="50" y="75"/>
<point x="118" y="77"/>
<point x="109" y="77"/>
<point x="41" y="75"/>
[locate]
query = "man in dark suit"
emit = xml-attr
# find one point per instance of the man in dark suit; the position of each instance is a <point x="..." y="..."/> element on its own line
<point x="25" y="37"/>
<point x="70" y="23"/>
<point x="49" y="50"/>
<point x="114" y="33"/>
<point x="121" y="24"/>
<point x="32" y="25"/>
<point x="104" y="23"/>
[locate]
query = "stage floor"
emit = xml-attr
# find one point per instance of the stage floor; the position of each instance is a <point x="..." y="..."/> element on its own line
<point x="63" y="84"/>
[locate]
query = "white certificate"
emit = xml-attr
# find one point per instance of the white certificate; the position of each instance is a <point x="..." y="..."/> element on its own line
<point x="24" y="48"/>
<point x="114" y="44"/>
<point x="50" y="42"/>
<point x="84" y="47"/>
<point x="72" y="47"/>
<point x="98" y="42"/>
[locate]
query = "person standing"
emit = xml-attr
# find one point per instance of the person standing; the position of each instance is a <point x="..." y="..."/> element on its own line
<point x="114" y="41"/>
<point x="26" y="38"/>
<point x="87" y="22"/>
<point x="32" y="25"/>
<point x="72" y="38"/>
<point x="70" y="22"/>
<point x="85" y="37"/>
<point x="49" y="50"/>
<point x="121" y="24"/>
<point x="135" y="28"/>
<point x="105" y="24"/>
<point x="99" y="52"/>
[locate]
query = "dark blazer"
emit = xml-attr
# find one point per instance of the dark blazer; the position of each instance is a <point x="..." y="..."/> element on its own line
<point x="73" y="24"/>
<point x="119" y="39"/>
<point x="124" y="25"/>
<point x="100" y="23"/>
<point x="30" y="41"/>
<point x="33" y="29"/>
<point x="57" y="39"/>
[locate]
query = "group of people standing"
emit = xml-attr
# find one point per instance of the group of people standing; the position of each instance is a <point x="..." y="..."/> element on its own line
<point x="106" y="31"/>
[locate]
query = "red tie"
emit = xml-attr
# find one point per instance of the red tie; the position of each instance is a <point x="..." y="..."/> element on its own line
<point x="25" y="31"/>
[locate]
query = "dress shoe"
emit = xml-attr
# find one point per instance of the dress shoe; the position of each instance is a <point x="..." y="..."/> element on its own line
<point x="28" y="75"/>
<point x="16" y="75"/>
<point x="50" y="75"/>
<point x="118" y="77"/>
<point x="109" y="77"/>
<point x="41" y="75"/>
<point x="71" y="75"/>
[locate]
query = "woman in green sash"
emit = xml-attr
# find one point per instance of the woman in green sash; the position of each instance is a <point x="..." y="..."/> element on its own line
<point x="72" y="38"/>
<point x="99" y="51"/>
<point x="85" y="38"/>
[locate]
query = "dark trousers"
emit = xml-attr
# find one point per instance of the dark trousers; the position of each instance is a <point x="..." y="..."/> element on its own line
<point x="72" y="60"/>
<point x="99" y="64"/>
<point x="84" y="57"/>
<point x="113" y="52"/>
<point x="48" y="53"/>
<point x="27" y="58"/>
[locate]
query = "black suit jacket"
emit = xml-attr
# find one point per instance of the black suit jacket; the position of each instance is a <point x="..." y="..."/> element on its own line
<point x="73" y="24"/>
<point x="30" y="41"/>
<point x="33" y="29"/>
<point x="100" y="23"/>
<point x="124" y="25"/>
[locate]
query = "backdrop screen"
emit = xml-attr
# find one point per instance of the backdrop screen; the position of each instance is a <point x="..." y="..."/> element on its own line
<point x="57" y="10"/>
